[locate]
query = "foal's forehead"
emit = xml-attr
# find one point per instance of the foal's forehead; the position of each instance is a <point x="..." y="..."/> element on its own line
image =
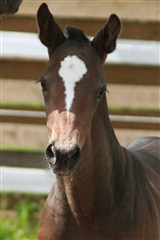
<point x="72" y="63"/>
<point x="72" y="69"/>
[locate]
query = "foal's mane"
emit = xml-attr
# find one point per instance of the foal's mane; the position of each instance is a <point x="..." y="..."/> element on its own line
<point x="75" y="33"/>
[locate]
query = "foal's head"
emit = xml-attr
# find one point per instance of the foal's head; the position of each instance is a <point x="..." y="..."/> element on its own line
<point x="73" y="85"/>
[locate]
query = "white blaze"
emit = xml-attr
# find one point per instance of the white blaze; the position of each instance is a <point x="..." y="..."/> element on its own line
<point x="71" y="71"/>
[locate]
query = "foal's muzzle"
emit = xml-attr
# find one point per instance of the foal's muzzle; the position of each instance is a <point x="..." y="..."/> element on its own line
<point x="62" y="161"/>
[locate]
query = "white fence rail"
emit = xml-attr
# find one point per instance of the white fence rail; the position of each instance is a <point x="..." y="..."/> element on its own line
<point x="26" y="180"/>
<point x="27" y="45"/>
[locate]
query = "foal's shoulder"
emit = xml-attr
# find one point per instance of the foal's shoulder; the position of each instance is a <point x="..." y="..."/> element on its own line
<point x="146" y="143"/>
<point x="147" y="151"/>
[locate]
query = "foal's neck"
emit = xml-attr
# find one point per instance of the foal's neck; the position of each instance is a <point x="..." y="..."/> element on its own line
<point x="90" y="181"/>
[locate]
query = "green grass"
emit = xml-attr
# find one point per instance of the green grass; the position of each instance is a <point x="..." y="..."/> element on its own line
<point x="12" y="148"/>
<point x="134" y="111"/>
<point x="34" y="106"/>
<point x="26" y="223"/>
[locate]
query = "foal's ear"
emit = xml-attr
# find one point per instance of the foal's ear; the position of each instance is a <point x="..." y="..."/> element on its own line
<point x="105" y="40"/>
<point x="50" y="33"/>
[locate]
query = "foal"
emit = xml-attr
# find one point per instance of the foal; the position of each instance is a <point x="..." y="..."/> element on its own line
<point x="102" y="191"/>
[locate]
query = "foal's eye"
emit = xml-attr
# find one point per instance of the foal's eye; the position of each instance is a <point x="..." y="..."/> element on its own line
<point x="43" y="82"/>
<point x="101" y="91"/>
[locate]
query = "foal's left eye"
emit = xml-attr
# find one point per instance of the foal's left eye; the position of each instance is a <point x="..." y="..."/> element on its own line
<point x="101" y="91"/>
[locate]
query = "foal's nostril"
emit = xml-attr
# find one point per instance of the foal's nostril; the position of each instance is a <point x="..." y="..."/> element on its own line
<point x="50" y="151"/>
<point x="74" y="153"/>
<point x="62" y="160"/>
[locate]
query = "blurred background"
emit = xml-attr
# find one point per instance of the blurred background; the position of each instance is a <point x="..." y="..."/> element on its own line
<point x="132" y="75"/>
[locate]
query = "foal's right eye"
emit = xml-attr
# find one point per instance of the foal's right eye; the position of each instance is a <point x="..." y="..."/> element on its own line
<point x="43" y="82"/>
<point x="44" y="86"/>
